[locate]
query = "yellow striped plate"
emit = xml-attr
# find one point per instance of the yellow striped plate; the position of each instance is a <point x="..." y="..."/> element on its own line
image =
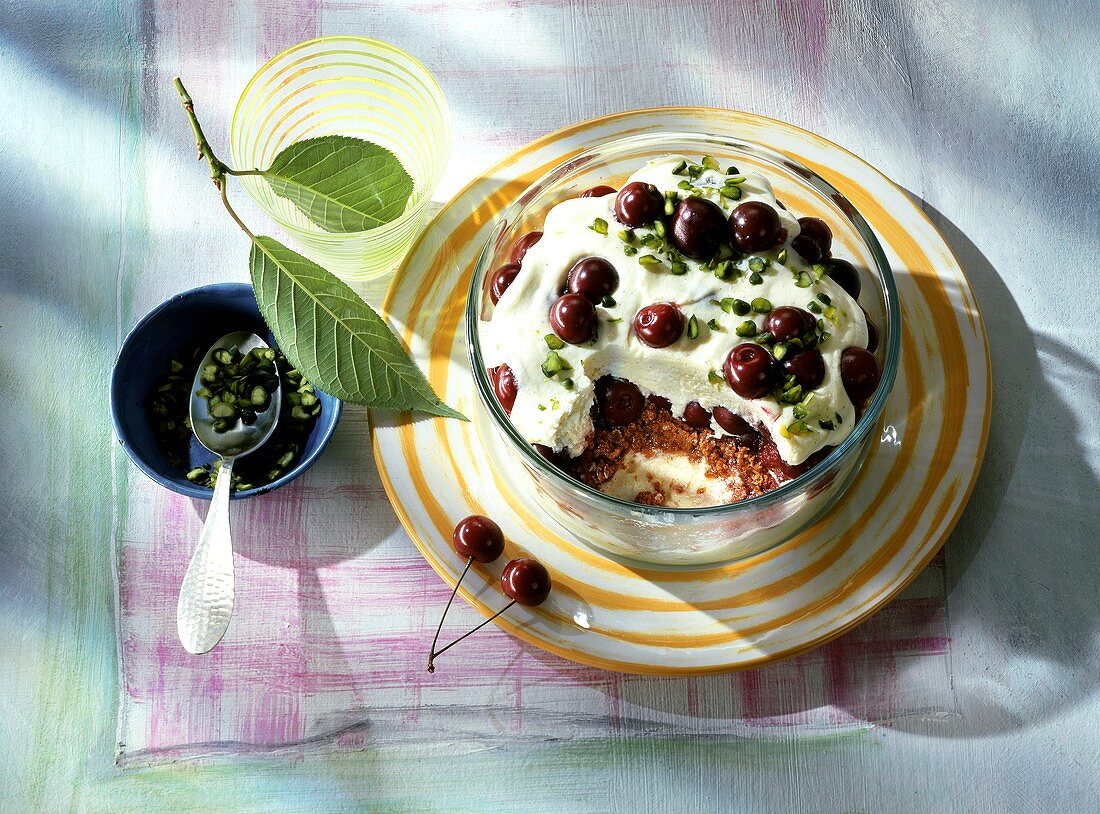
<point x="622" y="616"/>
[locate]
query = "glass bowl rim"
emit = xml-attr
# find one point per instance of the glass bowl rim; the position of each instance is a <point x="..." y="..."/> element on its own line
<point x="792" y="487"/>
<point x="430" y="82"/>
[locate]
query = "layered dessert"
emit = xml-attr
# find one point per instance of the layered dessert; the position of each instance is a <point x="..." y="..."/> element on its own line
<point x="683" y="341"/>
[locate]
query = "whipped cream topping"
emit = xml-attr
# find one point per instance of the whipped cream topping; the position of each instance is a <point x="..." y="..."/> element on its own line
<point x="545" y="412"/>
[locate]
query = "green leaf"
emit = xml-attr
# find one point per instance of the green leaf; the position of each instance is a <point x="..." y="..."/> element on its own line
<point x="342" y="184"/>
<point x="338" y="341"/>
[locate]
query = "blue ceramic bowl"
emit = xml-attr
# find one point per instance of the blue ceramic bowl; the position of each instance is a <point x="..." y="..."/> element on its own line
<point x="195" y="318"/>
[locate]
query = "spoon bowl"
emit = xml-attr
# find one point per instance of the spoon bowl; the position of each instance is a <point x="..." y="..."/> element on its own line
<point x="241" y="438"/>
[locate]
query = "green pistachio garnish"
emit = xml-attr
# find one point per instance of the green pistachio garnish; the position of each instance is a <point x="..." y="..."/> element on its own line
<point x="761" y="305"/>
<point x="714" y="324"/>
<point x="746" y="328"/>
<point x="714" y="378"/>
<point x="813" y="307"/>
<point x="739" y="307"/>
<point x="825" y="298"/>
<point x="757" y="264"/>
<point x="803" y="280"/>
<point x="693" y="327"/>
<point x="678" y="268"/>
<point x="599" y="226"/>
<point x="711" y="163"/>
<point x="626" y="235"/>
<point x="608" y="301"/>
<point x="730" y="193"/>
<point x="782" y="256"/>
<point x="554" y="342"/>
<point x="755" y="278"/>
<point x="650" y="262"/>
<point x="679" y="168"/>
<point x="567" y="384"/>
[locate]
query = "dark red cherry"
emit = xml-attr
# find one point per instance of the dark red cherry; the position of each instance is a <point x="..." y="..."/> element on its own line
<point x="808" y="368"/>
<point x="860" y="373"/>
<point x="659" y="325"/>
<point x="573" y="318"/>
<point x="698" y="228"/>
<point x="815" y="239"/>
<point x="639" y="204"/>
<point x="479" y="537"/>
<point x="787" y="322"/>
<point x="872" y="336"/>
<point x="598" y="191"/>
<point x="736" y="426"/>
<point x="755" y="226"/>
<point x="520" y="247"/>
<point x="809" y="251"/>
<point x="696" y="415"/>
<point x="505" y="387"/>
<point x="845" y="276"/>
<point x="526" y="581"/>
<point x="621" y="401"/>
<point x="593" y="278"/>
<point x="501" y="279"/>
<point x="751" y="371"/>
<point x="661" y="403"/>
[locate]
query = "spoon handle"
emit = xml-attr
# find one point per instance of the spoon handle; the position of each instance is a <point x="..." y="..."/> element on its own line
<point x="206" y="596"/>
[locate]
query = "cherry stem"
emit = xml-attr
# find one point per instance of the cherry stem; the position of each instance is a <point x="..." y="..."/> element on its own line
<point x="431" y="667"/>
<point x="431" y="653"/>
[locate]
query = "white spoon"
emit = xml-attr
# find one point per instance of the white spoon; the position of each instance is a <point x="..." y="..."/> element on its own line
<point x="206" y="596"/>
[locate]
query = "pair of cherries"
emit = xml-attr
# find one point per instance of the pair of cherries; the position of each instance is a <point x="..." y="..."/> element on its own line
<point x="524" y="580"/>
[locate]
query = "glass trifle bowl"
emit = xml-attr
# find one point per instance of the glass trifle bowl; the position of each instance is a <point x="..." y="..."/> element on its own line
<point x="658" y="533"/>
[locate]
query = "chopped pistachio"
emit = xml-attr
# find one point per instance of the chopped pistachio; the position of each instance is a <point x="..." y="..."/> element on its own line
<point x="731" y="193"/>
<point x="764" y="338"/>
<point x="803" y="280"/>
<point x="711" y="163"/>
<point x="825" y="298"/>
<point x="626" y="235"/>
<point x="542" y="407"/>
<point x="693" y="327"/>
<point x="715" y="325"/>
<point x="782" y="256"/>
<point x="746" y="328"/>
<point x="678" y="267"/>
<point x="670" y="207"/>
<point x="613" y="320"/>
<point x="740" y="307"/>
<point x="735" y="179"/>
<point x="714" y="378"/>
<point x="755" y="278"/>
<point x="761" y="305"/>
<point x="554" y="342"/>
<point x="567" y="384"/>
<point x="813" y="307"/>
<point x="779" y="351"/>
<point x="649" y="260"/>
<point x="608" y="301"/>
<point x="679" y="168"/>
<point x="599" y="225"/>
<point x="685" y="184"/>
<point x="757" y="264"/>
<point x="819" y="271"/>
<point x="629" y="251"/>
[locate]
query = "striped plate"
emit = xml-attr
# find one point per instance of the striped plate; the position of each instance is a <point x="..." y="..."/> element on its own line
<point x="679" y="620"/>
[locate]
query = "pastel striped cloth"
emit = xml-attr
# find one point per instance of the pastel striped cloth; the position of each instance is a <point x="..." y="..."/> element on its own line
<point x="336" y="609"/>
